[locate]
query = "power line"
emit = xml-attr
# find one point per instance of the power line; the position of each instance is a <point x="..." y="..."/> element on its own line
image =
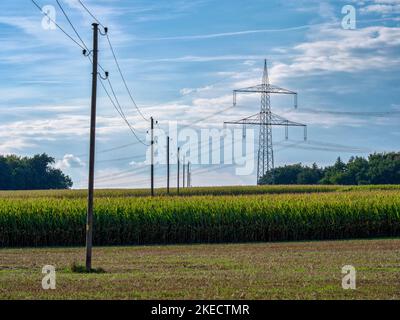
<point x="78" y="35"/>
<point x="116" y="99"/>
<point x="216" y="167"/>
<point x="57" y="25"/>
<point x="82" y="47"/>
<point x="208" y="117"/>
<point x="221" y="166"/>
<point x="123" y="78"/>
<point x="116" y="60"/>
<point x="72" y="25"/>
<point x="111" y="149"/>
<point x="119" y="159"/>
<point x="91" y="14"/>
<point x="119" y="147"/>
<point x="296" y="145"/>
<point x="116" y="176"/>
<point x="353" y="113"/>
<point x="116" y="104"/>
<point x="122" y="174"/>
<point x="120" y="112"/>
<point x="112" y="89"/>
<point x="118" y="107"/>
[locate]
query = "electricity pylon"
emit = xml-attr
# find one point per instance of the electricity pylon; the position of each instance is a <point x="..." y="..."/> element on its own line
<point x="266" y="120"/>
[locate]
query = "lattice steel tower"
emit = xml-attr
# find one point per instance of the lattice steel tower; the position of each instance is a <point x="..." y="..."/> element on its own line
<point x="266" y="119"/>
<point x="265" y="151"/>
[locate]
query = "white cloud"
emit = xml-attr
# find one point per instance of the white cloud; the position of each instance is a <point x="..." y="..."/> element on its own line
<point x="213" y="102"/>
<point x="34" y="133"/>
<point x="382" y="7"/>
<point x="336" y="50"/>
<point x="249" y="63"/>
<point x="187" y="91"/>
<point x="69" y="161"/>
<point x="138" y="164"/>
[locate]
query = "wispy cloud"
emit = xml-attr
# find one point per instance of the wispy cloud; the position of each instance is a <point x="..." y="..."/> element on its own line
<point x="383" y="7"/>
<point x="10" y="146"/>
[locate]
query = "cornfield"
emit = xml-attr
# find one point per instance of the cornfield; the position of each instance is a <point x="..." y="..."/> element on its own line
<point x="56" y="220"/>
<point x="200" y="191"/>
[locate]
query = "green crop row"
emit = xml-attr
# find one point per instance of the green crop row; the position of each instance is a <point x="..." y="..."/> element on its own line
<point x="201" y="219"/>
<point x="198" y="191"/>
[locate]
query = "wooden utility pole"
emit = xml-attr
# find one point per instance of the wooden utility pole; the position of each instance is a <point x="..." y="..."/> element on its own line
<point x="168" y="168"/>
<point x="179" y="151"/>
<point x="152" y="157"/>
<point x="92" y="153"/>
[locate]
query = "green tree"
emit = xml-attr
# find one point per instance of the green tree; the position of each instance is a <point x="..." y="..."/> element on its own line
<point x="384" y="168"/>
<point x="310" y="175"/>
<point x="379" y="168"/>
<point x="357" y="171"/>
<point x="334" y="174"/>
<point x="6" y="178"/>
<point x="283" y="175"/>
<point x="36" y="173"/>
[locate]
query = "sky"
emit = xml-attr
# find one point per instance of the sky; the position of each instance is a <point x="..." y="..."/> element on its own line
<point x="181" y="60"/>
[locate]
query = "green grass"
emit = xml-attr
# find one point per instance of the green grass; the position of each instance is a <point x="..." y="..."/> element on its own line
<point x="79" y="268"/>
<point x="305" y="270"/>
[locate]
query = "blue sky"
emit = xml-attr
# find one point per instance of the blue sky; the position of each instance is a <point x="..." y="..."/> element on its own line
<point x="182" y="59"/>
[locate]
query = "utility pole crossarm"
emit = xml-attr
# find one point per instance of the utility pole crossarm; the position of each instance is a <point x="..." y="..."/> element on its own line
<point x="274" y="121"/>
<point x="265" y="89"/>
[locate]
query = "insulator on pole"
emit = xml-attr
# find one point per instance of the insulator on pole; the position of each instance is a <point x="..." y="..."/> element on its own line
<point x="305" y="134"/>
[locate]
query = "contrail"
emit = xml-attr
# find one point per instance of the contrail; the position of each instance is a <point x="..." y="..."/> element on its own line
<point x="247" y="32"/>
<point x="225" y="34"/>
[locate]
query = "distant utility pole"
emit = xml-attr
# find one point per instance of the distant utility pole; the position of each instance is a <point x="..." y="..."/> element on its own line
<point x="92" y="153"/>
<point x="188" y="175"/>
<point x="179" y="151"/>
<point x="168" y="168"/>
<point x="152" y="156"/>
<point x="184" y="172"/>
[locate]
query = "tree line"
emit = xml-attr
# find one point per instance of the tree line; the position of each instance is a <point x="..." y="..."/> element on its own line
<point x="36" y="173"/>
<point x="378" y="168"/>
